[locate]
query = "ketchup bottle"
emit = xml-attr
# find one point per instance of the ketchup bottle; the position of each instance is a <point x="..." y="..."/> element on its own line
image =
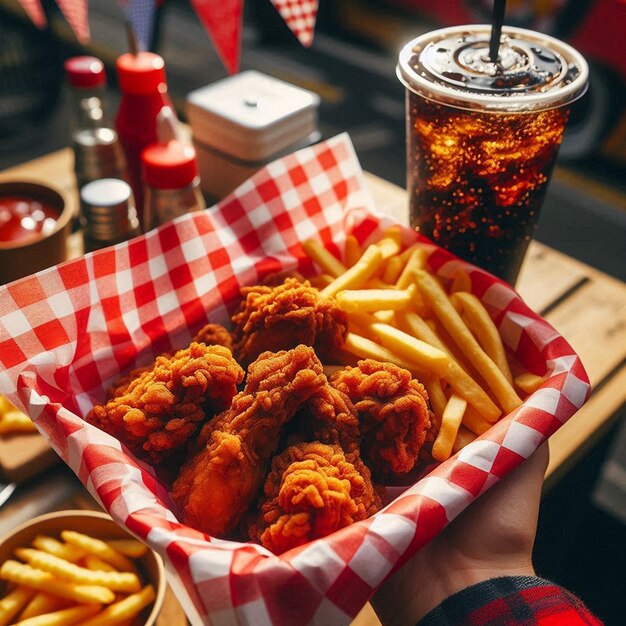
<point x="144" y="93"/>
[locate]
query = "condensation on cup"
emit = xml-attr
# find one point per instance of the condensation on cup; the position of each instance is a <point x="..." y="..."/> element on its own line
<point x="482" y="137"/>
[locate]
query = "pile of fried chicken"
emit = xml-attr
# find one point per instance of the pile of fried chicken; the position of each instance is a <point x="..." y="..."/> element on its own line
<point x="293" y="455"/>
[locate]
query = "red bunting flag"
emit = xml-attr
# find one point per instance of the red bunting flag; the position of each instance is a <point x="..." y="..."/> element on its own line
<point x="222" y="21"/>
<point x="75" y="12"/>
<point x="300" y="16"/>
<point x="35" y="12"/>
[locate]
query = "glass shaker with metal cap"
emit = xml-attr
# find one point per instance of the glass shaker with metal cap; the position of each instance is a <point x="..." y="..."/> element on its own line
<point x="97" y="149"/>
<point x="108" y="213"/>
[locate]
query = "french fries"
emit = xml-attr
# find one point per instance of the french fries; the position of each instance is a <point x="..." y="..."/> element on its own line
<point x="12" y="420"/>
<point x="400" y="313"/>
<point x="74" y="581"/>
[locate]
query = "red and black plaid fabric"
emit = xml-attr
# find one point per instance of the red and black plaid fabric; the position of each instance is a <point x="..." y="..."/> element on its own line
<point x="512" y="601"/>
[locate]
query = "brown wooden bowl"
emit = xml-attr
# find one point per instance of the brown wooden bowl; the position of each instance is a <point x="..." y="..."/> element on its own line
<point x="29" y="255"/>
<point x="95" y="524"/>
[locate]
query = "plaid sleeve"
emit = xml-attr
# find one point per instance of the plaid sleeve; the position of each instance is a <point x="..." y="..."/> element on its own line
<point x="508" y="601"/>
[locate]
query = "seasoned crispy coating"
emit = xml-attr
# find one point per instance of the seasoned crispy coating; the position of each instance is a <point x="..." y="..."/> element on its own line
<point x="211" y="334"/>
<point x="284" y="316"/>
<point x="311" y="491"/>
<point x="393" y="414"/>
<point x="160" y="410"/>
<point x="217" y="485"/>
<point x="214" y="335"/>
<point x="330" y="417"/>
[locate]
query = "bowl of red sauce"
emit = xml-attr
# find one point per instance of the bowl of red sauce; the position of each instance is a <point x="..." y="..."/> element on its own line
<point x="35" y="224"/>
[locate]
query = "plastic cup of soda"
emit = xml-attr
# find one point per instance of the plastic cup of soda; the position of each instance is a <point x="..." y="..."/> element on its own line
<point x="483" y="136"/>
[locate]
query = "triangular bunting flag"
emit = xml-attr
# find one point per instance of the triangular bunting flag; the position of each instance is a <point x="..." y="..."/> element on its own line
<point x="140" y="13"/>
<point x="300" y="16"/>
<point x="35" y="12"/>
<point x="75" y="12"/>
<point x="222" y="21"/>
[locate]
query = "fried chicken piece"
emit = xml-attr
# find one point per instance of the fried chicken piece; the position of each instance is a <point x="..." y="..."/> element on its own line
<point x="161" y="409"/>
<point x="284" y="316"/>
<point x="214" y="335"/>
<point x="330" y="417"/>
<point x="311" y="491"/>
<point x="217" y="485"/>
<point x="393" y="413"/>
<point x="211" y="335"/>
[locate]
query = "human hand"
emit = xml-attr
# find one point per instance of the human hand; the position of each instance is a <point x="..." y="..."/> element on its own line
<point x="491" y="538"/>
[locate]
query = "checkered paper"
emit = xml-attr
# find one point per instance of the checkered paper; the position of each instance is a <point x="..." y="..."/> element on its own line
<point x="66" y="332"/>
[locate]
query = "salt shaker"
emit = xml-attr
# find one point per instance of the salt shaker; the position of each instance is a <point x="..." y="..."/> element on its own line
<point x="97" y="149"/>
<point x="108" y="213"/>
<point x="244" y="122"/>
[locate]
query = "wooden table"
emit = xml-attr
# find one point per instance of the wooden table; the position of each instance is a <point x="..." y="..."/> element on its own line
<point x="586" y="306"/>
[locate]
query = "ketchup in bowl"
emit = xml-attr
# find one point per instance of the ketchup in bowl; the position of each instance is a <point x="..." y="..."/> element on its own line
<point x="22" y="217"/>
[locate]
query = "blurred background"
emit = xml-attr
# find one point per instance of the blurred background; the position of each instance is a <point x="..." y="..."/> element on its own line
<point x="351" y="66"/>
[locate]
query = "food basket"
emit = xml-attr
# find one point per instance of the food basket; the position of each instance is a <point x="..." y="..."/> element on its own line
<point x="67" y="332"/>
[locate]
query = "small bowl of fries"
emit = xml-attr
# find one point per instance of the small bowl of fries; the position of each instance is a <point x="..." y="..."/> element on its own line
<point x="78" y="567"/>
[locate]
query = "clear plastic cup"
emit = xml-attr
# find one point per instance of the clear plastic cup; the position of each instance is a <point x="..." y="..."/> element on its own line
<point x="483" y="137"/>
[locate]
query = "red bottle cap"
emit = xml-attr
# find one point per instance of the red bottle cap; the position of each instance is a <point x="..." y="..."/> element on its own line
<point x="85" y="72"/>
<point x="141" y="74"/>
<point x="170" y="165"/>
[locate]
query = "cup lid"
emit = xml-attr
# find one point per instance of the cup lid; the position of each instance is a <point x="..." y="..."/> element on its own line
<point x="533" y="72"/>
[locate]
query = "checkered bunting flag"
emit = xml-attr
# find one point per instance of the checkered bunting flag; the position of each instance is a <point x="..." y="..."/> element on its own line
<point x="140" y="14"/>
<point x="75" y="12"/>
<point x="300" y="16"/>
<point x="35" y="12"/>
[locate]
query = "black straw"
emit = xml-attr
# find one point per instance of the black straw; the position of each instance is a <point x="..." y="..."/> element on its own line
<point x="132" y="39"/>
<point x="497" y="19"/>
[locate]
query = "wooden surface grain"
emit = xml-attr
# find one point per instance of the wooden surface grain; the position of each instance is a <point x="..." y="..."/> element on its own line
<point x="586" y="306"/>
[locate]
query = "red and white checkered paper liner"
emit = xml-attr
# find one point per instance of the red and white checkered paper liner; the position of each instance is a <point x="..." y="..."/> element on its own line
<point x="66" y="332"/>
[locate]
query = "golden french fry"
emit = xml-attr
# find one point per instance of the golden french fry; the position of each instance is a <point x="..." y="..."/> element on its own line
<point x="463" y="437"/>
<point x="450" y="422"/>
<point x="355" y="300"/>
<point x="64" y="617"/>
<point x="56" y="548"/>
<point x="392" y="270"/>
<point x="14" y="421"/>
<point x="317" y="253"/>
<point x="98" y="548"/>
<point x="123" y="610"/>
<point x="425" y="356"/>
<point x="321" y="280"/>
<point x="460" y="381"/>
<point x="42" y="603"/>
<point x="436" y="396"/>
<point x="391" y="243"/>
<point x="461" y="282"/>
<point x="528" y="382"/>
<point x="13" y="603"/>
<point x="353" y="250"/>
<point x="481" y="325"/>
<point x="475" y="421"/>
<point x="365" y="348"/>
<point x="452" y="322"/>
<point x="5" y="405"/>
<point x="94" y="563"/>
<point x="116" y="581"/>
<point x="386" y="317"/>
<point x="21" y="574"/>
<point x="358" y="274"/>
<point x="415" y="261"/>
